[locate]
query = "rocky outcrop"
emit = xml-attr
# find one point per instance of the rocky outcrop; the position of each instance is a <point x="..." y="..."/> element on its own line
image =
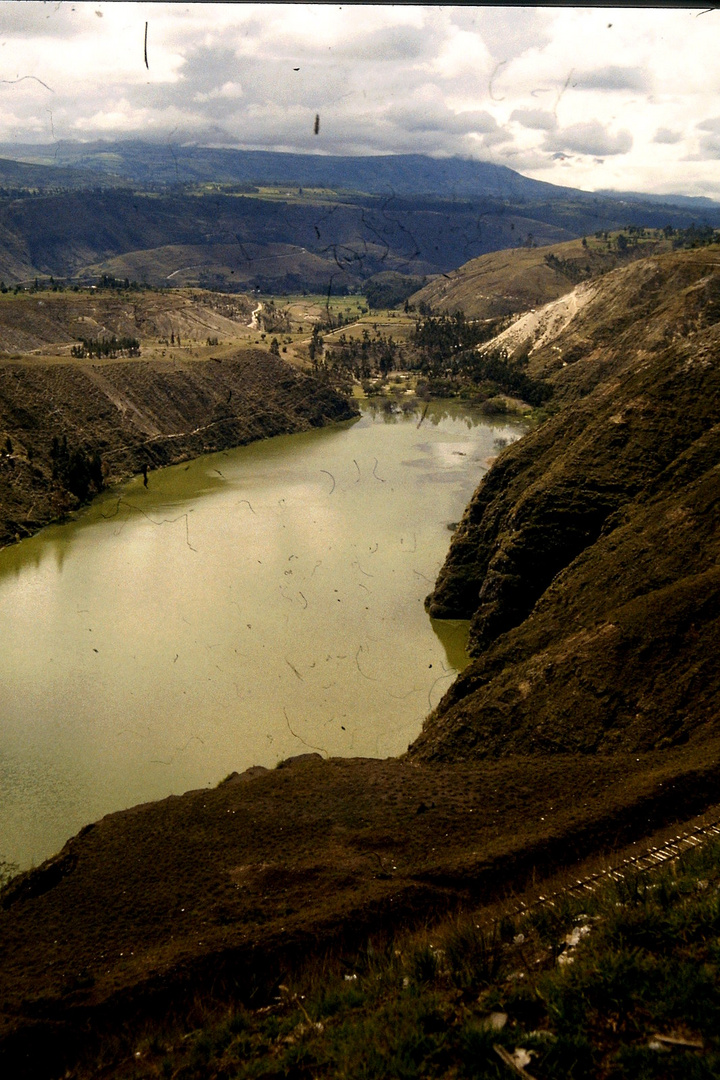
<point x="587" y="557"/>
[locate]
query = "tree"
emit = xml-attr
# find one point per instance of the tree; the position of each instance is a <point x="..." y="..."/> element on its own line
<point x="8" y="870"/>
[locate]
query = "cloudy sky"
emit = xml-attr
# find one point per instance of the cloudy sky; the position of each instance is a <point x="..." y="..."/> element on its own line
<point x="594" y="98"/>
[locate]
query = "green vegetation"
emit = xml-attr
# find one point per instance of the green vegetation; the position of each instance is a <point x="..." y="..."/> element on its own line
<point x="439" y="352"/>
<point x="274" y="318"/>
<point x="692" y="237"/>
<point x="498" y="374"/>
<point x="440" y="338"/>
<point x="106" y="348"/>
<point x="570" y="269"/>
<point x="389" y="289"/>
<point x="620" y="983"/>
<point x="107" y="281"/>
<point x="635" y="236"/>
<point x="362" y="358"/>
<point x="77" y="470"/>
<point x="447" y="346"/>
<point x="104" y="283"/>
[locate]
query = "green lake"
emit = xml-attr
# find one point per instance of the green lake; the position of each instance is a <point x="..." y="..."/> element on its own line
<point x="245" y="607"/>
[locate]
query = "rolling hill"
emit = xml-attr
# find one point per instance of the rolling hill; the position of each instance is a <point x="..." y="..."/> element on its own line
<point x="505" y="282"/>
<point x="73" y="235"/>
<point x="238" y="220"/>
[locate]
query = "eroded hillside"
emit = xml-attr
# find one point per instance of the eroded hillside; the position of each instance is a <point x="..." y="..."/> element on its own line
<point x="521" y="278"/>
<point x="588" y="557"/>
<point x="67" y="429"/>
<point x="48" y="324"/>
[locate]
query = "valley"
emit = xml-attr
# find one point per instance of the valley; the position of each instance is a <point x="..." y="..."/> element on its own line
<point x="239" y="221"/>
<point x="282" y="580"/>
<point x="585" y="562"/>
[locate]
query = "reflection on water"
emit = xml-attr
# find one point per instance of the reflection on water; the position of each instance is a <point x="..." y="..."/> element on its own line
<point x="453" y="634"/>
<point x="391" y="411"/>
<point x="244" y="607"/>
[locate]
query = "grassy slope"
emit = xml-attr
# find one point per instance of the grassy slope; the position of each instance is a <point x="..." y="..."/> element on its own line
<point x="214" y="894"/>
<point x="47" y="323"/>
<point x="503" y="282"/>
<point x="621" y="982"/>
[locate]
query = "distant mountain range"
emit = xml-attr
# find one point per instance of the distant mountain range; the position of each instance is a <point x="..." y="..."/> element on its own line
<point x="330" y="222"/>
<point x="402" y="174"/>
<point x="169" y="164"/>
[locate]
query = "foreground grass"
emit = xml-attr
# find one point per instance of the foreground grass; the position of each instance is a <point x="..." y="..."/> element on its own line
<point x="622" y="982"/>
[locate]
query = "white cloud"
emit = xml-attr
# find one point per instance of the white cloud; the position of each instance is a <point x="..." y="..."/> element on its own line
<point x="612" y="78"/>
<point x="535" y="119"/>
<point x="580" y="96"/>
<point x="463" y="54"/>
<point x="434" y="117"/>
<point x="667" y="137"/>
<point x="590" y="138"/>
<point x="710" y="147"/>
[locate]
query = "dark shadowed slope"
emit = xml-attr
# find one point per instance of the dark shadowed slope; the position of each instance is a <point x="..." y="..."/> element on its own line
<point x="588" y="558"/>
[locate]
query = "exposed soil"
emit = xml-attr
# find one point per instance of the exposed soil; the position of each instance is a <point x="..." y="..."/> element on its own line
<point x="540" y="326"/>
<point x="136" y="414"/>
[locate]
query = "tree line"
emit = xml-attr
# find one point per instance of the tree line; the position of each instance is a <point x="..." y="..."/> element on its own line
<point x="106" y="348"/>
<point x="443" y="349"/>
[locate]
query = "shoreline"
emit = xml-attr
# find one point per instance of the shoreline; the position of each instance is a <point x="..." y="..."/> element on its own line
<point x="138" y="414"/>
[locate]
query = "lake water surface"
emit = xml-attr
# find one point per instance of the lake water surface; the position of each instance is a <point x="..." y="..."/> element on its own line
<point x="245" y="607"/>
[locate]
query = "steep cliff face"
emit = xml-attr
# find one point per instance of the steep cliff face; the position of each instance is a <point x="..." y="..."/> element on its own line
<point x="587" y="558"/>
<point x="67" y="428"/>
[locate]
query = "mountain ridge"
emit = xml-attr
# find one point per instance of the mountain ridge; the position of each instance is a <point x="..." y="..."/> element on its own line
<point x="141" y="161"/>
<point x="151" y="211"/>
<point x="602" y="525"/>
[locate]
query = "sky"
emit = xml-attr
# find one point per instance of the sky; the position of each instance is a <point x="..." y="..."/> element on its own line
<point x="625" y="99"/>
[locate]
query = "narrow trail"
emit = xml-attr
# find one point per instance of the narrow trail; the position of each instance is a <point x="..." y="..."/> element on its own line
<point x="180" y="270"/>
